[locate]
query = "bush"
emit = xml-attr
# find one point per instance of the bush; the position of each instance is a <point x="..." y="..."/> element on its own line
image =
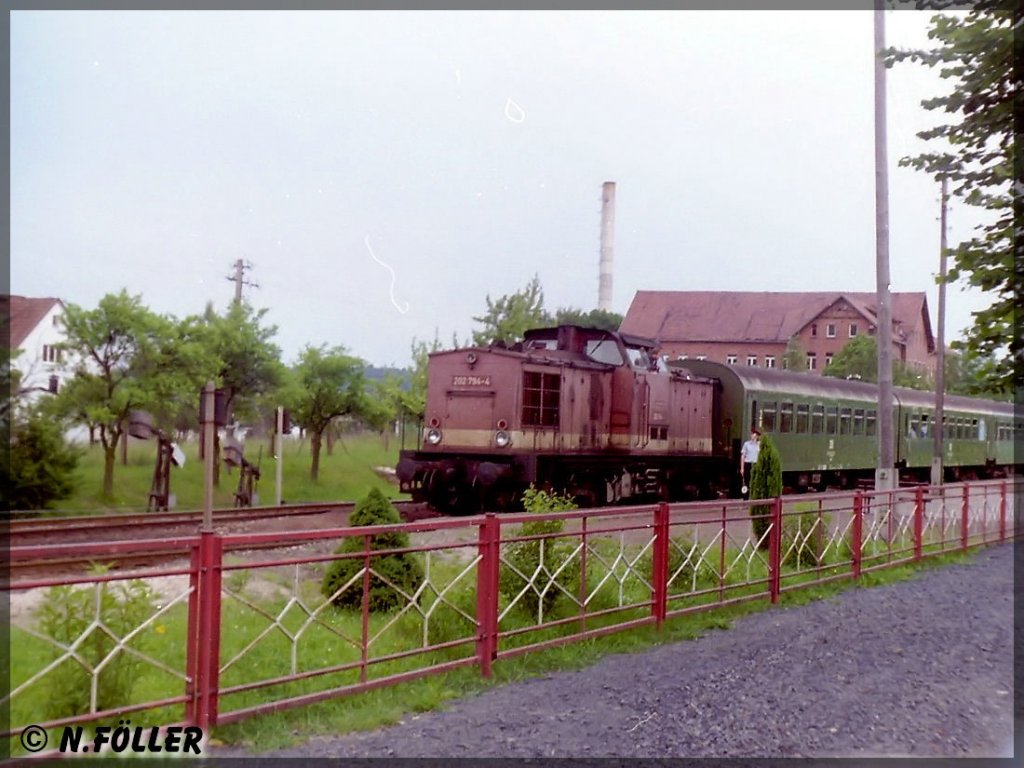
<point x="391" y="575"/>
<point x="690" y="573"/>
<point x="548" y="555"/>
<point x="65" y="614"/>
<point x="765" y="483"/>
<point x="806" y="537"/>
<point x="41" y="467"/>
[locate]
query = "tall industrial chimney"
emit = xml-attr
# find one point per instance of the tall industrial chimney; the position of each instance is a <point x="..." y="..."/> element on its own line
<point x="604" y="292"/>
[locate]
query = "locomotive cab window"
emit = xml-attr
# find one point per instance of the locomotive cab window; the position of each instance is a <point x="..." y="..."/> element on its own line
<point x="541" y="396"/>
<point x="604" y="351"/>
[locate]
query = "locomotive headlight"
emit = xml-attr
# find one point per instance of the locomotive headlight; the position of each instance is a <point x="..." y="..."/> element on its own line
<point x="502" y="439"/>
<point x="433" y="435"/>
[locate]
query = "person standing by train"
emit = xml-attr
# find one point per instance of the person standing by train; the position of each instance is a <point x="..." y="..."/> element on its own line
<point x="748" y="457"/>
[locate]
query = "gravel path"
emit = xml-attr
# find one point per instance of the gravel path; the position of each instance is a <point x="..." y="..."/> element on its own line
<point x="923" y="667"/>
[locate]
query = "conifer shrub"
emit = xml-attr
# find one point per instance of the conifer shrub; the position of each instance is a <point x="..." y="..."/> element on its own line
<point x="765" y="483"/>
<point x="66" y="615"/>
<point x="394" y="578"/>
<point x="532" y="565"/>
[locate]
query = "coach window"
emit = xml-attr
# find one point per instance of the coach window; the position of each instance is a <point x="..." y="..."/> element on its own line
<point x="870" y="419"/>
<point x="817" y="419"/>
<point x="844" y="421"/>
<point x="858" y="421"/>
<point x="913" y="425"/>
<point x="924" y="426"/>
<point x="831" y="421"/>
<point x="802" y="418"/>
<point x="768" y="417"/>
<point x="786" y="417"/>
<point x="977" y="430"/>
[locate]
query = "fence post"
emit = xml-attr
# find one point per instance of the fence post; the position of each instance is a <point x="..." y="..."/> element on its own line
<point x="964" y="521"/>
<point x="857" y="532"/>
<point x="487" y="593"/>
<point x="659" y="567"/>
<point x="193" y="639"/>
<point x="205" y="659"/>
<point x="775" y="551"/>
<point x="1002" y="511"/>
<point x="918" y="522"/>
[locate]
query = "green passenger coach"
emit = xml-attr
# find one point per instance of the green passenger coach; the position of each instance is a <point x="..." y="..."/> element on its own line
<point x="826" y="429"/>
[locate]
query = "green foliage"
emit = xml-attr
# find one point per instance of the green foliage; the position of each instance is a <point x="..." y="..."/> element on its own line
<point x="975" y="375"/>
<point x="804" y="538"/>
<point x="533" y="565"/>
<point x="765" y="483"/>
<point x="394" y="577"/>
<point x="508" y="318"/>
<point x="794" y="358"/>
<point x="127" y="358"/>
<point x="595" y="318"/>
<point x="858" y="359"/>
<point x="686" y="570"/>
<point x="41" y="467"/>
<point x="66" y="615"/>
<point x="975" y="149"/>
<point x="325" y="384"/>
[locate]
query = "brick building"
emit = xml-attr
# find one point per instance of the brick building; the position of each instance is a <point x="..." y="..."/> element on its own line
<point x="754" y="328"/>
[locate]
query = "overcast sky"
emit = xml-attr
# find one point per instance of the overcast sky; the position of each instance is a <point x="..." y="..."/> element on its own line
<point x="384" y="171"/>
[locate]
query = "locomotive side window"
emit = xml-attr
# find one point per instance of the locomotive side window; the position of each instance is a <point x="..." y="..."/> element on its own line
<point x="541" y="396"/>
<point x="768" y="417"/>
<point x="802" y="418"/>
<point x="817" y="419"/>
<point x="858" y="421"/>
<point x="786" y="417"/>
<point x="844" y="421"/>
<point x="870" y="419"/>
<point x="604" y="351"/>
<point x="831" y="420"/>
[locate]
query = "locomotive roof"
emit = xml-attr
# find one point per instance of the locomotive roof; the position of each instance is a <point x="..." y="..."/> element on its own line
<point x="813" y="385"/>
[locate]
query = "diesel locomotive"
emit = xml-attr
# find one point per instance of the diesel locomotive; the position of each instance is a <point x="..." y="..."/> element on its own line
<point x="600" y="416"/>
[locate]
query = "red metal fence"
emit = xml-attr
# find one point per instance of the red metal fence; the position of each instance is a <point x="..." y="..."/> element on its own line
<point x="236" y="629"/>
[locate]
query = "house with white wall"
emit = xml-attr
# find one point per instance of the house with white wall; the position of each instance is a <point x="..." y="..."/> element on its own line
<point x="36" y="328"/>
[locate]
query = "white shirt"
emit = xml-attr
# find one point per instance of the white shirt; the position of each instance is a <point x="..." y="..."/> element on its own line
<point x="748" y="454"/>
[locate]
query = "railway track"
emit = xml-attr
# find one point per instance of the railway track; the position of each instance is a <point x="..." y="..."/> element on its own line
<point x="122" y="529"/>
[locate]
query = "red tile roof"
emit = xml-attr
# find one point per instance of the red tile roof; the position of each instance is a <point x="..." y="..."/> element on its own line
<point x="755" y="315"/>
<point x="22" y="315"/>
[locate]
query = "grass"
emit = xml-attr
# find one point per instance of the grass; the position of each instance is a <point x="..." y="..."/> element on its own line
<point x="266" y="593"/>
<point x="345" y="475"/>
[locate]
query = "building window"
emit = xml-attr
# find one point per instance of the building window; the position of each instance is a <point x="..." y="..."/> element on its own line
<point x="751" y="359"/>
<point x="853" y="330"/>
<point x="730" y="359"/>
<point x="702" y="357"/>
<point x="814" y="329"/>
<point x="828" y="359"/>
<point x="769" y="361"/>
<point x="812" y="361"/>
<point x="56" y="321"/>
<point x="51" y="354"/>
<point x="681" y="357"/>
<point x="830" y="330"/>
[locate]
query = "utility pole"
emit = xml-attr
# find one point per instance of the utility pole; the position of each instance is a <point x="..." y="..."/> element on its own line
<point x="940" y="346"/>
<point x="607" y="262"/>
<point x="884" y="474"/>
<point x="238" y="278"/>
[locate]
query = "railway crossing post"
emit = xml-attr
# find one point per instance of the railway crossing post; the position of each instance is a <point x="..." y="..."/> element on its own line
<point x="659" y="566"/>
<point x="965" y="509"/>
<point x="918" y="521"/>
<point x="775" y="551"/>
<point x="857" y="533"/>
<point x="487" y="592"/>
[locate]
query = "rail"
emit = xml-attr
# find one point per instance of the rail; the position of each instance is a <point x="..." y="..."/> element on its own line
<point x="242" y="624"/>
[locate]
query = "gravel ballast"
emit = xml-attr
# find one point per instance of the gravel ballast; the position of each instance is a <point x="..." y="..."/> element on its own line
<point x="923" y="667"/>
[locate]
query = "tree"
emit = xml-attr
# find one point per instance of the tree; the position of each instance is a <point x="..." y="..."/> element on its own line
<point x="859" y="360"/>
<point x="508" y="318"/>
<point x="595" y="318"/>
<point x="976" y="151"/>
<point x="328" y="383"/>
<point x="765" y="483"/>
<point x="973" y="374"/>
<point x="127" y="358"/>
<point x="41" y="467"/>
<point x="794" y="358"/>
